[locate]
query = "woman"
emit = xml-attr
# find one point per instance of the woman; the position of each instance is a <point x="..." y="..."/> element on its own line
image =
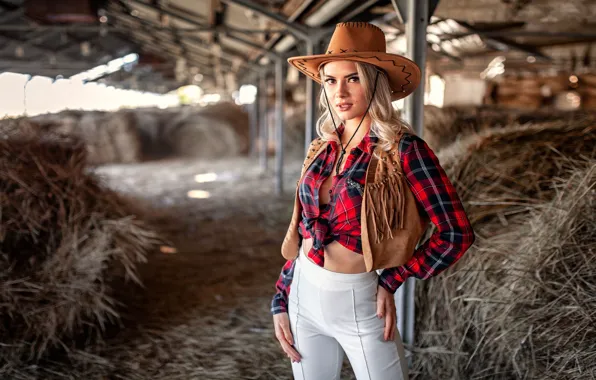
<point x="368" y="189"/>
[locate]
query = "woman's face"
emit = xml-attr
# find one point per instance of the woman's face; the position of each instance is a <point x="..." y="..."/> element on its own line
<point x="345" y="92"/>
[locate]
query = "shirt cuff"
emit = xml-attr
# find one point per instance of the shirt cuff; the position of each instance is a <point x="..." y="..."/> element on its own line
<point x="388" y="282"/>
<point x="279" y="304"/>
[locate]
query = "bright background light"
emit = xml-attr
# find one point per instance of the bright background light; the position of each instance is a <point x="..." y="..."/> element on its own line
<point x="247" y="94"/>
<point x="25" y="95"/>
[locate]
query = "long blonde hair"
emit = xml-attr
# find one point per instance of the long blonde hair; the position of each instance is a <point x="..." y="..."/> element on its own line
<point x="386" y="123"/>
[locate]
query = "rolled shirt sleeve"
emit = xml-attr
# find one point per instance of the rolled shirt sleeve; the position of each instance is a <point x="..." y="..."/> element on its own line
<point x="436" y="194"/>
<point x="279" y="303"/>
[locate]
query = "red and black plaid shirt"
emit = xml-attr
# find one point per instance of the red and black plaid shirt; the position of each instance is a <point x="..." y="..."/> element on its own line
<point x="340" y="219"/>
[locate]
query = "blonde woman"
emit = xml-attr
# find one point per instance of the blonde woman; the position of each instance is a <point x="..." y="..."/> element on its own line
<point x="369" y="188"/>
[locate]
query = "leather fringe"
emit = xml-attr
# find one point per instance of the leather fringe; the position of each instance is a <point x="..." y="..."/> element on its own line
<point x="382" y="198"/>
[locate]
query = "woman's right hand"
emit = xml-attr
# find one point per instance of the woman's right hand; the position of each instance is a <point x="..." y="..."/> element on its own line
<point x="281" y="321"/>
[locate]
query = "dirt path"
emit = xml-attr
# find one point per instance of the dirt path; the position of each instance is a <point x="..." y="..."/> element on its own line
<point x="204" y="312"/>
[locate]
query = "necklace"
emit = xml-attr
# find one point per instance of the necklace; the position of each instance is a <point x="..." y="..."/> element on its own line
<point x="343" y="148"/>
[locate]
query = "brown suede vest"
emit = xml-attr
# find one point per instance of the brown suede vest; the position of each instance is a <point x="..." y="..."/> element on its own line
<point x="393" y="225"/>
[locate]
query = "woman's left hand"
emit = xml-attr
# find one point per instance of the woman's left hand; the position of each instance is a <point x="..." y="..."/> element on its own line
<point x="386" y="309"/>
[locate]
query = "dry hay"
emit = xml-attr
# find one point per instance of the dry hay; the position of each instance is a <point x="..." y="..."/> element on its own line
<point x="110" y="137"/>
<point x="294" y="124"/>
<point x="66" y="245"/>
<point x="508" y="169"/>
<point x="205" y="132"/>
<point x="442" y="126"/>
<point x="193" y="135"/>
<point x="520" y="303"/>
<point x="234" y="116"/>
<point x="21" y="126"/>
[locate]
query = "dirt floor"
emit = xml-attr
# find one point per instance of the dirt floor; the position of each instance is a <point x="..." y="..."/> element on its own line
<point x="204" y="312"/>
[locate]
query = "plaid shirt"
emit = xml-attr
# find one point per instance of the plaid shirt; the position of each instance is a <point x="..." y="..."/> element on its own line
<point x="431" y="188"/>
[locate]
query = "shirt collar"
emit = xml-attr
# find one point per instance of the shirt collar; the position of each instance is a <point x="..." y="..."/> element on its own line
<point x="366" y="145"/>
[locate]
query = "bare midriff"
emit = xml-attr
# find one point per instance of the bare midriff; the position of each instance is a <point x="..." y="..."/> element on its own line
<point x="339" y="258"/>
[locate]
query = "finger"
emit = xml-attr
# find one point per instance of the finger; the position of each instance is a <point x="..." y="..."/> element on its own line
<point x="380" y="306"/>
<point x="392" y="333"/>
<point x="389" y="322"/>
<point x="285" y="328"/>
<point x="290" y="351"/>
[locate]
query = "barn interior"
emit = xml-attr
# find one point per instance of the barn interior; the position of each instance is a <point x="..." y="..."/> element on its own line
<point x="150" y="151"/>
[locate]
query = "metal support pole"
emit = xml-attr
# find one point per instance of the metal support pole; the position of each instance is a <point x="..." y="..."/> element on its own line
<point x="263" y="125"/>
<point x="310" y="128"/>
<point x="416" y="36"/>
<point x="417" y="22"/>
<point x="254" y="122"/>
<point x="279" y="125"/>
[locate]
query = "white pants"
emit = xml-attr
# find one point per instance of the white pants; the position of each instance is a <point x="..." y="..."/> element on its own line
<point x="332" y="313"/>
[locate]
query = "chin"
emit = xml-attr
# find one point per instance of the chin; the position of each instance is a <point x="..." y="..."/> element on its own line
<point x="352" y="115"/>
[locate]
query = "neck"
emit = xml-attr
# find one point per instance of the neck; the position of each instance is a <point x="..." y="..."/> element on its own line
<point x="350" y="127"/>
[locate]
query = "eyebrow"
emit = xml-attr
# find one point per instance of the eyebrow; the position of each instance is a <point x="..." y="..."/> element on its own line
<point x="347" y="76"/>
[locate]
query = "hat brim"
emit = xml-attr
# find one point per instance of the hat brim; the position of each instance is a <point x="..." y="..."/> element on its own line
<point x="403" y="74"/>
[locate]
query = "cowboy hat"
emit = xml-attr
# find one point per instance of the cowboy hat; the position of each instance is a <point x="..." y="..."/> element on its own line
<point x="363" y="42"/>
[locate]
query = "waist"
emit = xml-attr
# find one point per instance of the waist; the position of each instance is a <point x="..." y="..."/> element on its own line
<point x="338" y="258"/>
<point x="333" y="280"/>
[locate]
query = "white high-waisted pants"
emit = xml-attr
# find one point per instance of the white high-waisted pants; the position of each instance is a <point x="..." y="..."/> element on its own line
<point x="332" y="313"/>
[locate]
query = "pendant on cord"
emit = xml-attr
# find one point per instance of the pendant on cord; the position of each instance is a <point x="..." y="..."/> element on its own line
<point x="341" y="157"/>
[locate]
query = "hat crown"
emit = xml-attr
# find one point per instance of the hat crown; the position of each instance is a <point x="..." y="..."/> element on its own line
<point x="356" y="37"/>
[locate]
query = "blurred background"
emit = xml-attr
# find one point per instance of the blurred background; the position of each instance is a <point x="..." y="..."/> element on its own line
<point x="149" y="151"/>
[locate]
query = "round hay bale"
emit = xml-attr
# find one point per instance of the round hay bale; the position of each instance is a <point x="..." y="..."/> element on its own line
<point x="21" y="126"/>
<point x="124" y="135"/>
<point x="98" y="142"/>
<point x="149" y="127"/>
<point x="234" y="116"/>
<point x="64" y="123"/>
<point x="67" y="244"/>
<point x="198" y="136"/>
<point x="294" y="123"/>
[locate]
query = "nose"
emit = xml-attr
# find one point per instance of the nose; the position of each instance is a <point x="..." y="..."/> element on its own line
<point x="342" y="89"/>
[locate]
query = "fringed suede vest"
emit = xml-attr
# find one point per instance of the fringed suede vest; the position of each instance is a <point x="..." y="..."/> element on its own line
<point x="393" y="224"/>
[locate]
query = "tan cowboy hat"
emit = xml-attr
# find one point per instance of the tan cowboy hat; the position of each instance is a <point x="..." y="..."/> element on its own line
<point x="363" y="42"/>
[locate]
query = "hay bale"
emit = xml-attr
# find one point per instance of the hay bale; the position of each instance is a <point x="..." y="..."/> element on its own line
<point x="511" y="168"/>
<point x="201" y="137"/>
<point x="442" y="126"/>
<point x="232" y="115"/>
<point x="294" y="124"/>
<point x="64" y="123"/>
<point x="521" y="304"/>
<point x="126" y="140"/>
<point x="65" y="242"/>
<point x="110" y="137"/>
<point x="21" y="126"/>
<point x="495" y="314"/>
<point x="149" y="126"/>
